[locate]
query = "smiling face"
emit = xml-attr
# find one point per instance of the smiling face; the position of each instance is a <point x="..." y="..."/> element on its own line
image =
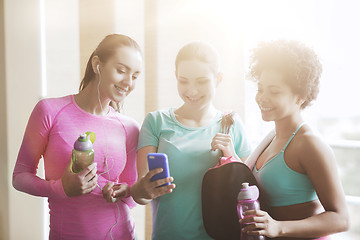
<point x="275" y="97"/>
<point x="197" y="82"/>
<point x="119" y="73"/>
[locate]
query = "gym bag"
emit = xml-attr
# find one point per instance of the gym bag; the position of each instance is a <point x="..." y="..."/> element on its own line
<point x="220" y="188"/>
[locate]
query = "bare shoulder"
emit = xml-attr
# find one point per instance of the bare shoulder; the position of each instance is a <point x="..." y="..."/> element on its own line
<point x="312" y="149"/>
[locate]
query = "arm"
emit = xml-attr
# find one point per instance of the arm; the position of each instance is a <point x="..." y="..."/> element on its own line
<point x="32" y="149"/>
<point x="142" y="166"/>
<point x="319" y="163"/>
<point x="143" y="191"/>
<point x="25" y="180"/>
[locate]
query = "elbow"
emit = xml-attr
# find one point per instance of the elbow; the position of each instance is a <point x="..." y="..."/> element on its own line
<point x="343" y="222"/>
<point x="15" y="182"/>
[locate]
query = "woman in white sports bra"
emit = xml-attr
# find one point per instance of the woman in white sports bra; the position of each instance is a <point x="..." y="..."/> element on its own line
<point x="295" y="168"/>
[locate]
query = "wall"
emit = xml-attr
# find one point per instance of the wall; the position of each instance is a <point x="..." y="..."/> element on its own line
<point x="4" y="212"/>
<point x="27" y="81"/>
<point x="23" y="88"/>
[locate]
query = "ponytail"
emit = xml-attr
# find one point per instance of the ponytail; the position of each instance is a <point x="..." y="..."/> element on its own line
<point x="89" y="74"/>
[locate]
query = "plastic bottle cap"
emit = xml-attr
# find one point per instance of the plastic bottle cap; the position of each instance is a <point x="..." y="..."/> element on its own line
<point x="248" y="192"/>
<point x="83" y="137"/>
<point x="83" y="143"/>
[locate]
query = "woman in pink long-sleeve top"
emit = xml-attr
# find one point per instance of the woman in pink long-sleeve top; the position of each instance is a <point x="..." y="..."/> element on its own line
<point x="94" y="203"/>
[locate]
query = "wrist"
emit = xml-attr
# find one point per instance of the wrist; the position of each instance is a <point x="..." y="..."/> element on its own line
<point x="281" y="229"/>
<point x="128" y="190"/>
<point x="133" y="192"/>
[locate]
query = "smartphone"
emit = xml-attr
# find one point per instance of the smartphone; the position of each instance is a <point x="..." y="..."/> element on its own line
<point x="159" y="160"/>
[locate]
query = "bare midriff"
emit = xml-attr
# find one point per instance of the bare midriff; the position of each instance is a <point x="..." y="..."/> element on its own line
<point x="296" y="212"/>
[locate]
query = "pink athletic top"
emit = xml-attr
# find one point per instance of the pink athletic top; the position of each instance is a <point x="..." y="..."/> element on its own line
<point x="53" y="127"/>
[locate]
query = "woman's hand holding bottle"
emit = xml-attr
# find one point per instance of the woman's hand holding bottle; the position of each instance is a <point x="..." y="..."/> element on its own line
<point x="76" y="184"/>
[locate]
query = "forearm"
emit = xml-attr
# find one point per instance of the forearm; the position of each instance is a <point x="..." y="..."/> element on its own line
<point x="323" y="224"/>
<point x="30" y="183"/>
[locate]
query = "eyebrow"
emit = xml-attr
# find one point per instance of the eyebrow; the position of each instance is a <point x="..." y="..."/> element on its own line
<point x="202" y="78"/>
<point x="274" y="86"/>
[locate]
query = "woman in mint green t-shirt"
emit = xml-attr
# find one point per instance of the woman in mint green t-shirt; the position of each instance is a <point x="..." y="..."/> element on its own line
<point x="190" y="136"/>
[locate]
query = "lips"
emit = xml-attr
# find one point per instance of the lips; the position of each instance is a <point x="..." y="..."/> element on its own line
<point x="265" y="109"/>
<point x="121" y="91"/>
<point x="193" y="99"/>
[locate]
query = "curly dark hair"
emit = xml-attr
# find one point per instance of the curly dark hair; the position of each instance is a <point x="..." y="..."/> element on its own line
<point x="298" y="63"/>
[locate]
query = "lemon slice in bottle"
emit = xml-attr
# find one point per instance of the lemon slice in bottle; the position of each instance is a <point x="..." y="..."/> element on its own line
<point x="91" y="136"/>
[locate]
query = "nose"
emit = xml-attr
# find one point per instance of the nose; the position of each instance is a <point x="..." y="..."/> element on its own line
<point x="261" y="97"/>
<point x="192" y="91"/>
<point x="127" y="80"/>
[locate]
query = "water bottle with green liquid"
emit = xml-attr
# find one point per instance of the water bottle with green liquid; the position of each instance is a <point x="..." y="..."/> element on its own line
<point x="83" y="152"/>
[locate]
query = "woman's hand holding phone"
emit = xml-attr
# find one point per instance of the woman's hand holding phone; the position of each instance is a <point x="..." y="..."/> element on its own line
<point x="153" y="185"/>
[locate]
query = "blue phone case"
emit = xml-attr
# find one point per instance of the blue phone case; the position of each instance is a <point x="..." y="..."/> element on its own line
<point x="159" y="160"/>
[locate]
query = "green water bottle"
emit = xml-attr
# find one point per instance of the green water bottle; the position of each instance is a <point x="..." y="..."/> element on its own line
<point x="83" y="152"/>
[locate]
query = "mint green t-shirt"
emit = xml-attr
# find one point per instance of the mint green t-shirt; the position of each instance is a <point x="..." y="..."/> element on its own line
<point x="177" y="216"/>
